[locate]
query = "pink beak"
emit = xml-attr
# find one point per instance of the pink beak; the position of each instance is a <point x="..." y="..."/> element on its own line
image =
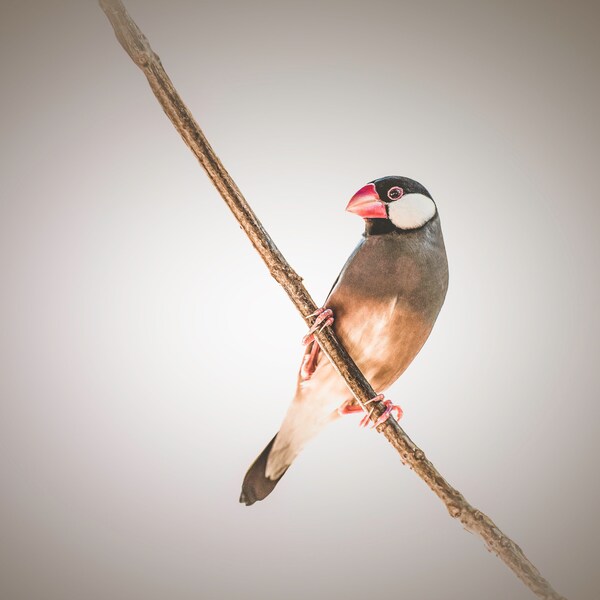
<point x="366" y="203"/>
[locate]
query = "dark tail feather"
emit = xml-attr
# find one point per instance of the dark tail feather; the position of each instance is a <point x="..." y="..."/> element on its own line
<point x="257" y="486"/>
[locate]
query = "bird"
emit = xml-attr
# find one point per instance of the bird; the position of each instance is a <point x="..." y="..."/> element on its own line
<point x="382" y="307"/>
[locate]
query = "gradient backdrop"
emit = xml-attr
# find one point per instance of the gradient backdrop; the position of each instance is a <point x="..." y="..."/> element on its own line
<point x="147" y="356"/>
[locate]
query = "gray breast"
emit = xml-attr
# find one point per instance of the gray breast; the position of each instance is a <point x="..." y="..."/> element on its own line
<point x="388" y="297"/>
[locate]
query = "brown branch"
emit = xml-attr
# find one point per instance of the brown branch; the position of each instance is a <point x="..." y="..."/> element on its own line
<point x="137" y="47"/>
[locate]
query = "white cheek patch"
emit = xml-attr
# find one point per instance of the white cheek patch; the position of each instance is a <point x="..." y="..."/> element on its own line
<point x="411" y="211"/>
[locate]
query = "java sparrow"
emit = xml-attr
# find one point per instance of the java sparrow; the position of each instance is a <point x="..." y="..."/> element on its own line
<point x="385" y="302"/>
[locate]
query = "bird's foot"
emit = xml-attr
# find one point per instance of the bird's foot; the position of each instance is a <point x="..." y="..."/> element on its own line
<point x="309" y="362"/>
<point x="349" y="408"/>
<point x="324" y="319"/>
<point x="385" y="415"/>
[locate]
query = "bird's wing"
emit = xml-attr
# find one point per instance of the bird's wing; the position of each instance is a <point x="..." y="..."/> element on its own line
<point x="319" y="392"/>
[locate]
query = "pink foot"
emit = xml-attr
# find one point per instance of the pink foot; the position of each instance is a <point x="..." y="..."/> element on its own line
<point x="309" y="362"/>
<point x="324" y="319"/>
<point x="385" y="415"/>
<point x="349" y="408"/>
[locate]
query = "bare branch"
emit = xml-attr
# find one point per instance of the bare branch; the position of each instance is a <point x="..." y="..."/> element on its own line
<point x="137" y="47"/>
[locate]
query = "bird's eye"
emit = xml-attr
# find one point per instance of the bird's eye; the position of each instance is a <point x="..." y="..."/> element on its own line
<point x="395" y="193"/>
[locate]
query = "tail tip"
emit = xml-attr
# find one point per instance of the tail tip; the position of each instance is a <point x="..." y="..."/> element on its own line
<point x="246" y="499"/>
<point x="257" y="485"/>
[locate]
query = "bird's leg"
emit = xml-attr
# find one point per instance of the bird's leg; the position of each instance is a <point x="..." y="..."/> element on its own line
<point x="324" y="319"/>
<point x="349" y="408"/>
<point x="309" y="362"/>
<point x="385" y="415"/>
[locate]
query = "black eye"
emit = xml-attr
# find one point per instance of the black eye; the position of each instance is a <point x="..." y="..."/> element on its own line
<point x="395" y="193"/>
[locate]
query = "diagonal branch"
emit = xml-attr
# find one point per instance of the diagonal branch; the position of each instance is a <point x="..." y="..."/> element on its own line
<point x="138" y="48"/>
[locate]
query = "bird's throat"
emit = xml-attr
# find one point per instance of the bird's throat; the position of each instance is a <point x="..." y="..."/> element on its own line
<point x="378" y="226"/>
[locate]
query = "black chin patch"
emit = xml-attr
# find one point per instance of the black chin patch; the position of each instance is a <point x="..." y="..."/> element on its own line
<point x="378" y="226"/>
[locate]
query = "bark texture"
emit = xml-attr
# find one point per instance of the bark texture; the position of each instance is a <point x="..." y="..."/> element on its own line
<point x="138" y="48"/>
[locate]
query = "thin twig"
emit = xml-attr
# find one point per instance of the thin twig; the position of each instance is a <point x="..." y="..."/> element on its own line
<point x="137" y="47"/>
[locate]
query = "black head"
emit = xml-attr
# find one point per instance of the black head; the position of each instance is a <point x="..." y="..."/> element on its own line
<point x="393" y="203"/>
<point x="386" y="188"/>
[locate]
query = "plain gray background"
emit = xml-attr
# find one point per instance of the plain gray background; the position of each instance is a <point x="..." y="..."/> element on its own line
<point x="146" y="355"/>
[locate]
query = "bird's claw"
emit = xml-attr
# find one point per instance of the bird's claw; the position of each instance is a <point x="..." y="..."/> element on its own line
<point x="385" y="415"/>
<point x="309" y="362"/>
<point x="324" y="319"/>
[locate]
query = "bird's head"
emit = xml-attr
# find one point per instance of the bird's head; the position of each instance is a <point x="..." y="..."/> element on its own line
<point x="405" y="203"/>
